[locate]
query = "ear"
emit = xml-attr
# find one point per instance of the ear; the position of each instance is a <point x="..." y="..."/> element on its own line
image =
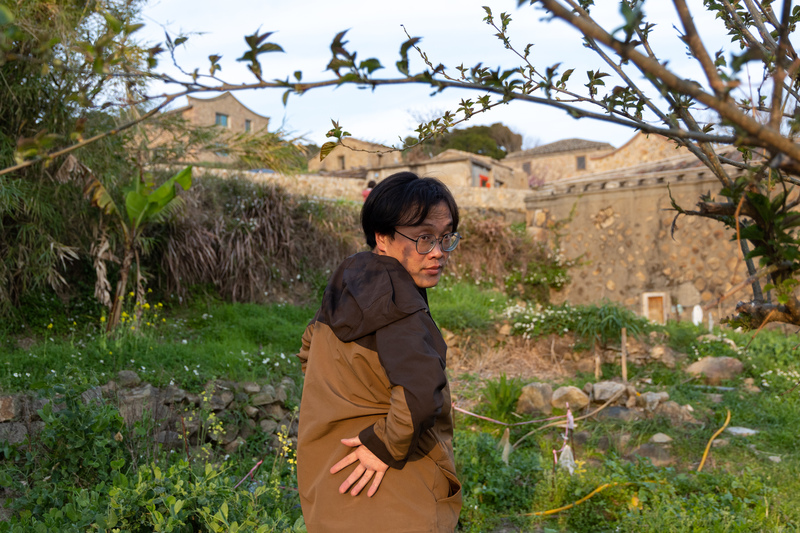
<point x="381" y="243"/>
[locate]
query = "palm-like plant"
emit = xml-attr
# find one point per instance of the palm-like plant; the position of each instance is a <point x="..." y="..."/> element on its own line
<point x="144" y="205"/>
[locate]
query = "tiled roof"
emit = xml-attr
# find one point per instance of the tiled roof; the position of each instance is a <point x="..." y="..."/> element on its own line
<point x="566" y="145"/>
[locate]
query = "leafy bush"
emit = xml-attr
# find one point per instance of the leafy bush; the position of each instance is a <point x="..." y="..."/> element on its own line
<point x="464" y="306"/>
<point x="589" y="323"/>
<point x="491" y="487"/>
<point x="501" y="397"/>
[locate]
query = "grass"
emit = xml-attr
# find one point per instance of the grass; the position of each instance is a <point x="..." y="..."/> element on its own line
<point x="191" y="346"/>
<point x="740" y="488"/>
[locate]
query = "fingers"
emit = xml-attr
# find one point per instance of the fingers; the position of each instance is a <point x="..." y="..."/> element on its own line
<point x="362" y="482"/>
<point x="352" y="478"/>
<point x="346" y="461"/>
<point x="375" y="484"/>
<point x="352" y="442"/>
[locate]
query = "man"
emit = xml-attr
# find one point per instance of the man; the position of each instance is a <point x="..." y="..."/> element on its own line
<point x="375" y="442"/>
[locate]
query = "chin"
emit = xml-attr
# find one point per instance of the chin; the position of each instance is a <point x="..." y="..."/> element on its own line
<point x="427" y="282"/>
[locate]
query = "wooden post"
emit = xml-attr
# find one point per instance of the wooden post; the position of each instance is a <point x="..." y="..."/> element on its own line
<point x="624" y="342"/>
<point x="596" y="362"/>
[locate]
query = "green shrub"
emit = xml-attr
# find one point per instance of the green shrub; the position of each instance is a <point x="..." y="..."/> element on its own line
<point x="501" y="397"/>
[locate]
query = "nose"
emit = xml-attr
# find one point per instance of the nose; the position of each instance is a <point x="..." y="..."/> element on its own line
<point x="438" y="250"/>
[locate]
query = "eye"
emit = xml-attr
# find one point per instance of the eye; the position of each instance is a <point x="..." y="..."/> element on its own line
<point x="427" y="239"/>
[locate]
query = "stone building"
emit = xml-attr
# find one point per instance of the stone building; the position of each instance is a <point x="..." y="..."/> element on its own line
<point x="224" y="111"/>
<point x="371" y="161"/>
<point x="621" y="231"/>
<point x="571" y="158"/>
<point x="356" y="159"/>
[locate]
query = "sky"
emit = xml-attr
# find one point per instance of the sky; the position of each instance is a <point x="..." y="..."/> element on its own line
<point x="453" y="33"/>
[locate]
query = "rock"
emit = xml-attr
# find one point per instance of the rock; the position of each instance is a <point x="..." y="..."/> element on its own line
<point x="134" y="402"/>
<point x="191" y="422"/>
<point x="650" y="400"/>
<point x="268" y="389"/>
<point x="750" y="385"/>
<point x="588" y="387"/>
<point x="234" y="445"/>
<point x="268" y="426"/>
<point x="275" y="411"/>
<point x="172" y="394"/>
<point x="576" y="398"/>
<point x="741" y="431"/>
<point x="711" y="337"/>
<point x="617" y="412"/>
<point x="128" y="379"/>
<point x="93" y="395"/>
<point x="657" y="453"/>
<point x="605" y="390"/>
<point x="656" y="352"/>
<point x="168" y="437"/>
<point x="241" y="397"/>
<point x="193" y="399"/>
<point x="631" y="402"/>
<point x="16" y="432"/>
<point x="220" y="400"/>
<point x="288" y="382"/>
<point x="660" y="438"/>
<point x="109" y="389"/>
<point x="251" y="387"/>
<point x="535" y="397"/>
<point x="581" y="437"/>
<point x="719" y="443"/>
<point x="713" y="397"/>
<point x="774" y="458"/>
<point x="677" y="414"/>
<point x="250" y="411"/>
<point x="247" y="429"/>
<point x="505" y="330"/>
<point x="716" y="369"/>
<point x="280" y="394"/>
<point x="668" y="359"/>
<point x="262" y="398"/>
<point x="9" y="408"/>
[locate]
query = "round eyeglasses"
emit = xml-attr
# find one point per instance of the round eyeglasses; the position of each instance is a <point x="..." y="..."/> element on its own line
<point x="427" y="242"/>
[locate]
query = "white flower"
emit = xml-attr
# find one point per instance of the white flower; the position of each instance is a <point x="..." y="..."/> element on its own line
<point x="184" y="341"/>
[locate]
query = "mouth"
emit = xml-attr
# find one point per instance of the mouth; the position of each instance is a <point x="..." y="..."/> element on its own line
<point x="433" y="270"/>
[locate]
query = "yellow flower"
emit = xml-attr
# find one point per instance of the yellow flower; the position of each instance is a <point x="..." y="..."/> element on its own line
<point x="130" y="293"/>
<point x="146" y="305"/>
<point x="163" y="320"/>
<point x="133" y="328"/>
<point x="149" y="291"/>
<point x="102" y="319"/>
<point x="110" y="353"/>
<point x="125" y="314"/>
<point x="49" y="326"/>
<point x="74" y="323"/>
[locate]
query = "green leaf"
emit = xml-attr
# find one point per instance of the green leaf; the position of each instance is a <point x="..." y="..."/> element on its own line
<point x="113" y="23"/>
<point x="6" y="16"/>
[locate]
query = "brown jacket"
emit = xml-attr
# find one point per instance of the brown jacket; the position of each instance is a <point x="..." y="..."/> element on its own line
<point x="374" y="364"/>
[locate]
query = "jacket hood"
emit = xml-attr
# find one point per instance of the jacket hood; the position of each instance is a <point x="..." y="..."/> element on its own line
<point x="368" y="292"/>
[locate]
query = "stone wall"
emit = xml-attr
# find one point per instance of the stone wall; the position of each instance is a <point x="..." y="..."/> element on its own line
<point x="510" y="203"/>
<point x="640" y="149"/>
<point x="242" y="409"/>
<point x="621" y="230"/>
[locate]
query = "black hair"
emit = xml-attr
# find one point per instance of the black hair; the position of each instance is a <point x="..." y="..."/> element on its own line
<point x="371" y="184"/>
<point x="403" y="199"/>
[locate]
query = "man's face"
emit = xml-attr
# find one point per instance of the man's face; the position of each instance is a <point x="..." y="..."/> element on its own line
<point x="425" y="269"/>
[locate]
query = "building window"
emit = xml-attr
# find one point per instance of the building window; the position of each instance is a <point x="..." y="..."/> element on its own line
<point x="580" y="162"/>
<point x="341" y="162"/>
<point x="526" y="168"/>
<point x="247" y="125"/>
<point x="654" y="306"/>
<point x="221" y="120"/>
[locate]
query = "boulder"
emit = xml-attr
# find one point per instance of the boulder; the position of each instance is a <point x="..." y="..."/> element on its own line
<point x="268" y="425"/>
<point x="250" y="411"/>
<point x="617" y="412"/>
<point x="9" y="408"/>
<point x="677" y="414"/>
<point x="251" y="387"/>
<point x="16" y="432"/>
<point x="535" y="397"/>
<point x="657" y="453"/>
<point x="716" y="369"/>
<point x="605" y="390"/>
<point x="128" y="379"/>
<point x="650" y="400"/>
<point x="660" y="438"/>
<point x="741" y="431"/>
<point x="262" y="398"/>
<point x="234" y="445"/>
<point x="750" y="385"/>
<point x="576" y="398"/>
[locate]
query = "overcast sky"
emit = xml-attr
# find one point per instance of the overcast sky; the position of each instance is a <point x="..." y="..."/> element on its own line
<point x="452" y="31"/>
